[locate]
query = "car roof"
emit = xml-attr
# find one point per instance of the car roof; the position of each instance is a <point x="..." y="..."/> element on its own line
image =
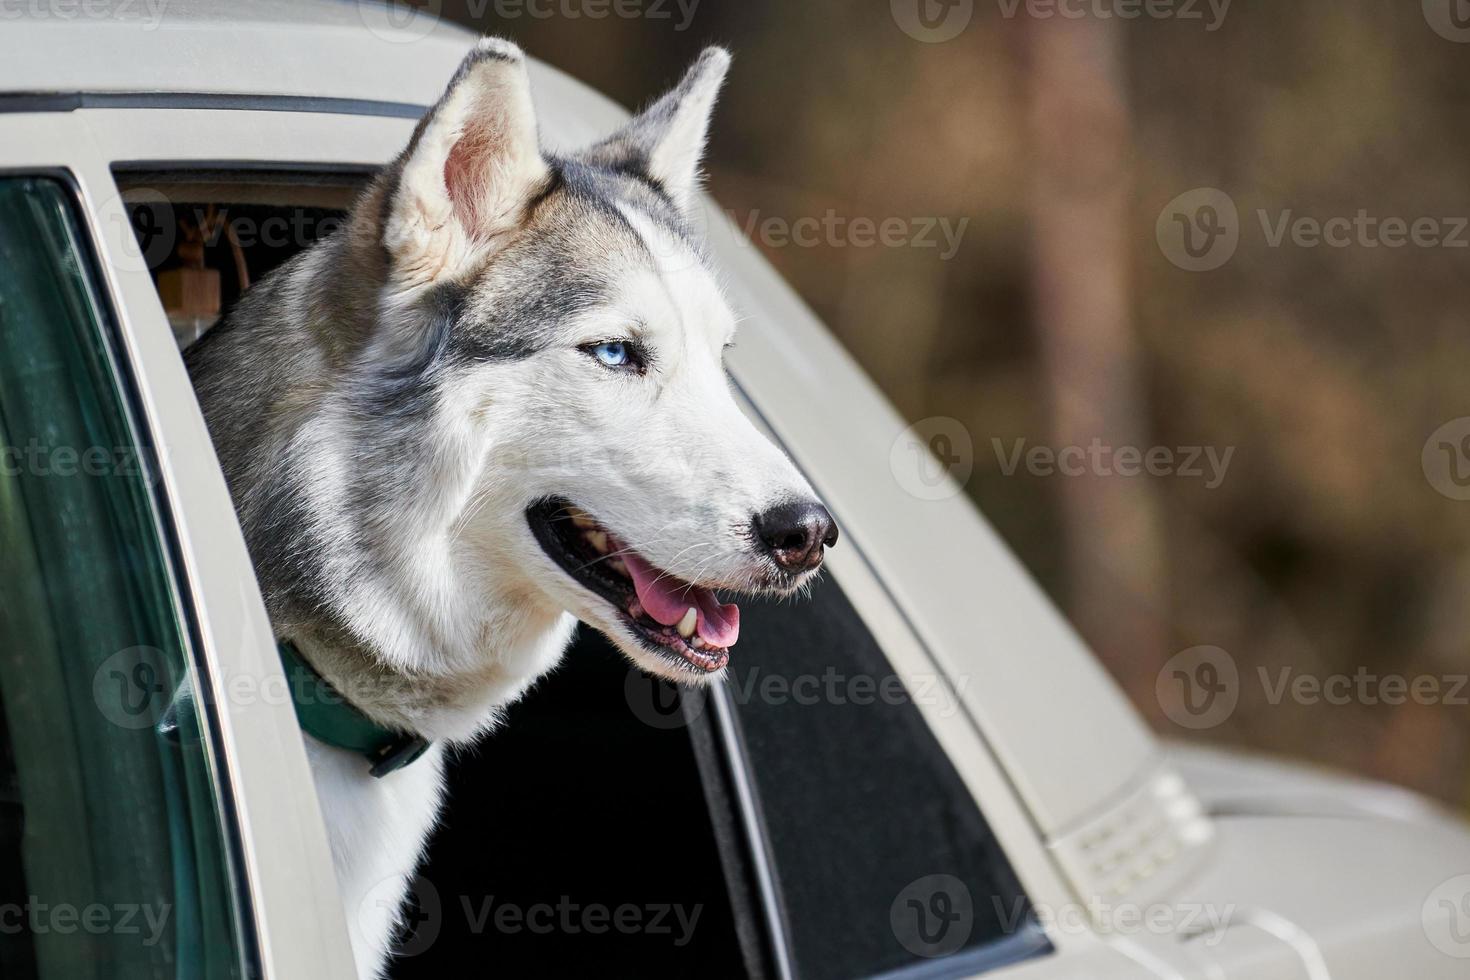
<point x="308" y="48"/>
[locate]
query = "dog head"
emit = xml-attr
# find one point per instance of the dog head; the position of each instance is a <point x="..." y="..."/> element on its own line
<point x="592" y="457"/>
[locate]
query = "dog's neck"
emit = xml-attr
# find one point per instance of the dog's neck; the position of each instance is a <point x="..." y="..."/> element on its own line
<point x="383" y="591"/>
<point x="415" y="629"/>
<point x="452" y="705"/>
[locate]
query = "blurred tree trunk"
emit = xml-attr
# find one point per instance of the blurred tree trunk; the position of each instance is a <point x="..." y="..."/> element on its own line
<point x="1079" y="197"/>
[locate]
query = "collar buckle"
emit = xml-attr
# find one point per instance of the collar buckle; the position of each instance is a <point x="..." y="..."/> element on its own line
<point x="394" y="756"/>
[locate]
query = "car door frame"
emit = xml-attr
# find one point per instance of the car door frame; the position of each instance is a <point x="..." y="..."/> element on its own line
<point x="289" y="897"/>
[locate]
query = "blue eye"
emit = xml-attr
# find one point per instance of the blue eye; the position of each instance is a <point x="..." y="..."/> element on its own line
<point x="614" y="353"/>
<point x="619" y="355"/>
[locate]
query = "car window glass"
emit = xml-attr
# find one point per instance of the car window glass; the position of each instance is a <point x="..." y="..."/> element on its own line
<point x="884" y="862"/>
<point x="113" y="855"/>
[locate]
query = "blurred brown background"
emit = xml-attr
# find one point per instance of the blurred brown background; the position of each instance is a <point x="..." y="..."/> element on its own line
<point x="1061" y="317"/>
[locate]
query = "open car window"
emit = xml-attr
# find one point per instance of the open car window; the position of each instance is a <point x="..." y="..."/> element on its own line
<point x="576" y="841"/>
<point x="611" y="823"/>
<point x="208" y="234"/>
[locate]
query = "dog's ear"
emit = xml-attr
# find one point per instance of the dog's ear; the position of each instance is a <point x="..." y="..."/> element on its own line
<point x="666" y="141"/>
<point x="472" y="165"/>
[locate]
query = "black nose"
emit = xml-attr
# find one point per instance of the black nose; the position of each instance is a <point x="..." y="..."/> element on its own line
<point x="795" y="533"/>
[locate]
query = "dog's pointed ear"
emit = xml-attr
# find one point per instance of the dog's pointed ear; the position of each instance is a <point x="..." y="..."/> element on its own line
<point x="471" y="167"/>
<point x="665" y="142"/>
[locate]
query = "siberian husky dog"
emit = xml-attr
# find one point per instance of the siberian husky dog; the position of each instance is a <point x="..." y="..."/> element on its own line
<point x="493" y="404"/>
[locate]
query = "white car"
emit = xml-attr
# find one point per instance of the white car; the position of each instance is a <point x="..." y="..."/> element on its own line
<point x="922" y="772"/>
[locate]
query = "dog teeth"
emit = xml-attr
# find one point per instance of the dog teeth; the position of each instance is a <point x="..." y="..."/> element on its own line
<point x="697" y="643"/>
<point x="687" y="624"/>
<point x="619" y="566"/>
<point x="580" y="519"/>
<point x="598" y="540"/>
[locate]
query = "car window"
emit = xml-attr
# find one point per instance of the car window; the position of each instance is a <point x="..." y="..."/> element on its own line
<point x="207" y="234"/>
<point x="548" y="856"/>
<point x="113" y="852"/>
<point x="883" y="861"/>
<point x="575" y="842"/>
<point x="599" y="753"/>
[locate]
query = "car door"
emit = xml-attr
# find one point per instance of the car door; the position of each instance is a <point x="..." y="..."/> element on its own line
<point x="287" y="915"/>
<point x="116" y="838"/>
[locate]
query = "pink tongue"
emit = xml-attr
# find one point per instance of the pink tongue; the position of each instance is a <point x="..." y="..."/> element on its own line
<point x="667" y="599"/>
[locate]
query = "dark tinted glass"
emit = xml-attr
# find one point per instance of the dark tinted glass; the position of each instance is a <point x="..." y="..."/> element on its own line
<point x="112" y="853"/>
<point x="884" y="861"/>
